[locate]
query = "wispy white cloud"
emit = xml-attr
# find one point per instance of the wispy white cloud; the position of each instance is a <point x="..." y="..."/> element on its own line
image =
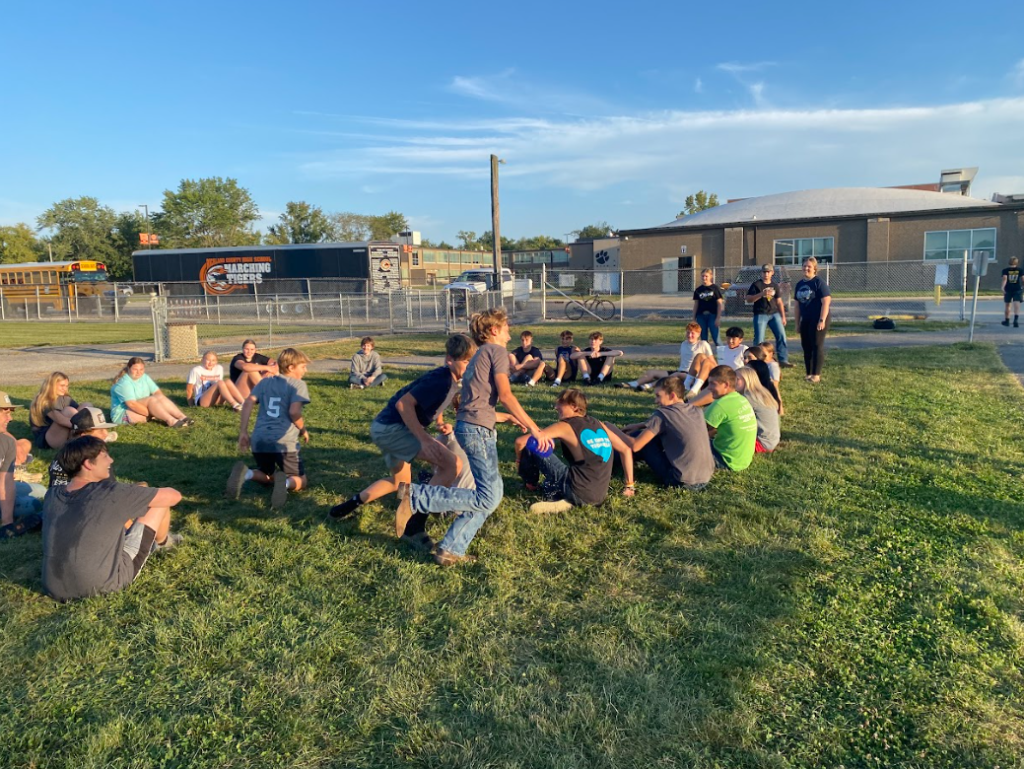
<point x="741" y="72"/>
<point x="510" y="89"/>
<point x="1017" y="74"/>
<point x="736" y="68"/>
<point x="698" y="86"/>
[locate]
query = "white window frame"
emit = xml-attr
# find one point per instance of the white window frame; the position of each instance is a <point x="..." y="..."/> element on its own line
<point x="959" y="258"/>
<point x="796" y="259"/>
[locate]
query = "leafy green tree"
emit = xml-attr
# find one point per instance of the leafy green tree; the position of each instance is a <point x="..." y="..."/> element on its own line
<point x="701" y="201"/>
<point x="82" y="229"/>
<point x="128" y="226"/>
<point x="445" y="245"/>
<point x="593" y="231"/>
<point x="468" y="241"/>
<point x="385" y="226"/>
<point x="207" y="212"/>
<point x="349" y="227"/>
<point x="486" y="242"/>
<point x="18" y="243"/>
<point x="538" y="243"/>
<point x="301" y="223"/>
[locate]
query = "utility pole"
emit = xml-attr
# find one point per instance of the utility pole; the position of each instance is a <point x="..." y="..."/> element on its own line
<point x="496" y="222"/>
<point x="149" y="234"/>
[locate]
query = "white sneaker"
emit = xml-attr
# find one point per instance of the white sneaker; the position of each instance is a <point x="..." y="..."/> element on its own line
<point x="530" y="383"/>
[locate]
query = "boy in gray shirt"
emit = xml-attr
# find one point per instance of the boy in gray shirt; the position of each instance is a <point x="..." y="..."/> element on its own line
<point x="367" y="368"/>
<point x="279" y="428"/>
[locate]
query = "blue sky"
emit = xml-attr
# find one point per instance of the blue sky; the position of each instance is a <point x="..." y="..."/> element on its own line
<point x="603" y="112"/>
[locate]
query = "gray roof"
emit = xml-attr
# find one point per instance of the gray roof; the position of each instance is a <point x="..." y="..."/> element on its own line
<point x="826" y="204"/>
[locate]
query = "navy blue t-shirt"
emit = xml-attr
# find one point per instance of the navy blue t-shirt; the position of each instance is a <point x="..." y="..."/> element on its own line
<point x="809" y="293"/>
<point x="433" y="392"/>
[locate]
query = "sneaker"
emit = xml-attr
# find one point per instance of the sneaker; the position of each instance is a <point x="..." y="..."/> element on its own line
<point x="1016" y="324"/>
<point x="189" y="421"/>
<point x="346" y="508"/>
<point x="530" y="383"/>
<point x="558" y="506"/>
<point x="420" y="541"/>
<point x="173" y="540"/>
<point x="555" y="385"/>
<point x="425" y="477"/>
<point x="237" y="407"/>
<point x="356" y="387"/>
<point x="647" y="387"/>
<point x="280" y="493"/>
<point x="404" y="511"/>
<point x="531" y="486"/>
<point x="445" y="558"/>
<point x="111" y="437"/>
<point x="183" y="422"/>
<point x="624" y="386"/>
<point x="1006" y="322"/>
<point x="235" y="481"/>
<point x="785" y="364"/>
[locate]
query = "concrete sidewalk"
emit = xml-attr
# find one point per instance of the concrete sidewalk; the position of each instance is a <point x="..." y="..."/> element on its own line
<point x="31" y="364"/>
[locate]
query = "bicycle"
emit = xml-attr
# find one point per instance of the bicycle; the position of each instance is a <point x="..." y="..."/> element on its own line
<point x="595" y="306"/>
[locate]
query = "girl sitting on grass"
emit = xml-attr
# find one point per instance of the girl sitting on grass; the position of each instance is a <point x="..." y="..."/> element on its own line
<point x="207" y="386"/>
<point x="135" y="398"/>
<point x="51" y="412"/>
<point x="765" y="410"/>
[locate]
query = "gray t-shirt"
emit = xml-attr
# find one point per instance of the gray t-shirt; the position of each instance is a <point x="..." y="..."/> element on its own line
<point x="684" y="436"/>
<point x="768" y="431"/>
<point x="274" y="432"/>
<point x="479" y="393"/>
<point x="83" y="537"/>
<point x="8" y="453"/>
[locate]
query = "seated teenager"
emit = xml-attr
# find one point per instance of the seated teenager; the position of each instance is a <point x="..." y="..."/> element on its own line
<point x="674" y="440"/>
<point x="695" y="363"/>
<point x="526" y="362"/>
<point x="135" y="398"/>
<point x="587" y="445"/>
<point x="756" y="357"/>
<point x="597" y="361"/>
<point x="98" y="533"/>
<point x="206" y="385"/>
<point x="249" y="367"/>
<point x="731" y="353"/>
<point x="88" y="421"/>
<point x="366" y="368"/>
<point x="731" y="422"/>
<point x="766" y="410"/>
<point x="20" y="501"/>
<point x="51" y="411"/>
<point x="565" y="366"/>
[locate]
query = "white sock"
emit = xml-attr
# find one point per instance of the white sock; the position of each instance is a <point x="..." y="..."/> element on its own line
<point x="688" y="381"/>
<point x="647" y="387"/>
<point x="697" y="382"/>
<point x="530" y="383"/>
<point x="557" y="381"/>
<point x="600" y="377"/>
<point x="586" y="377"/>
<point x="248" y="475"/>
<point x="634" y="384"/>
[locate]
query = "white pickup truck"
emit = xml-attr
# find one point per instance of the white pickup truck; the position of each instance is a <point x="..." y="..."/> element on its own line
<point x="481" y="281"/>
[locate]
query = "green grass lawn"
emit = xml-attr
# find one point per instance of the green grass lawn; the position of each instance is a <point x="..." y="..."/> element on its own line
<point x="853" y="600"/>
<point x="48" y="333"/>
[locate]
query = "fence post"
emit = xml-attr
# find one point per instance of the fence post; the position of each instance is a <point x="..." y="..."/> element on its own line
<point x="963" y="289"/>
<point x="256" y="300"/>
<point x="391" y="319"/>
<point x="277" y="310"/>
<point x="367" y="307"/>
<point x="341" y="309"/>
<point x="218" y="309"/>
<point x="543" y="292"/>
<point x="827" y="265"/>
<point x="117" y="308"/>
<point x="622" y="296"/>
<point x="309" y="297"/>
<point x="3" y="312"/>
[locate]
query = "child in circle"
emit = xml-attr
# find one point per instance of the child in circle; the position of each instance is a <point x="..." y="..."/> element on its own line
<point x="367" y="369"/>
<point x="596" y="361"/>
<point x="135" y="398"/>
<point x="526" y="362"/>
<point x="731" y="353"/>
<point x="731" y="422"/>
<point x="51" y="411"/>
<point x="565" y="366"/>
<point x="695" y="363"/>
<point x="206" y="385"/>
<point x="766" y="410"/>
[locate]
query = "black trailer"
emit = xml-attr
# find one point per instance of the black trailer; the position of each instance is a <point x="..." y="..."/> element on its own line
<point x="365" y="267"/>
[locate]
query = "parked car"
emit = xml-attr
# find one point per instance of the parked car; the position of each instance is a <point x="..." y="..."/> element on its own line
<point x="481" y="281"/>
<point x="735" y="293"/>
<point x="122" y="290"/>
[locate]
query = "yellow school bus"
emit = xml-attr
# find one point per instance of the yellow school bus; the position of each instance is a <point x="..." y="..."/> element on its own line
<point x="46" y="287"/>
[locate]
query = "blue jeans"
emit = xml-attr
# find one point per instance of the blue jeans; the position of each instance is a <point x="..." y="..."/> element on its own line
<point x="556" y="475"/>
<point x="474" y="505"/>
<point x="358" y="380"/>
<point x="774" y="322"/>
<point x="28" y="498"/>
<point x="706" y="320"/>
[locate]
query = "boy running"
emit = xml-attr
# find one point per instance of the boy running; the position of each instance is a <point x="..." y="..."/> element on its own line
<point x="279" y="427"/>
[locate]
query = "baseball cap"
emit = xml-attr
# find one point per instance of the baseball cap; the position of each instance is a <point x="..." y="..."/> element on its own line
<point x="5" y="401"/>
<point x="90" y="418"/>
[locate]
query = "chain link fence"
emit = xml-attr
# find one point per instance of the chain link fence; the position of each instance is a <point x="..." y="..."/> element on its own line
<point x="860" y="291"/>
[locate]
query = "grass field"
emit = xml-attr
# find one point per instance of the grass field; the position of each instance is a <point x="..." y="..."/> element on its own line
<point x="853" y="600"/>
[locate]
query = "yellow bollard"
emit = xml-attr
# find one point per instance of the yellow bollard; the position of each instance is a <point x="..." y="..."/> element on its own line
<point x="938" y="295"/>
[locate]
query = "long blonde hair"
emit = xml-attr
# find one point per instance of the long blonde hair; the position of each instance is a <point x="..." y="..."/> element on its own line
<point x="42" y="404"/>
<point x="754" y="390"/>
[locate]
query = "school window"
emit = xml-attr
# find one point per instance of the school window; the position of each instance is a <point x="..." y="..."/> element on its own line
<point x="795" y="250"/>
<point x="957" y="245"/>
<point x="415" y="259"/>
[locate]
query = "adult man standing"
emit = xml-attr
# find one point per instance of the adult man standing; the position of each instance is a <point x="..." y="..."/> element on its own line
<point x="769" y="311"/>
<point x="98" y="533"/>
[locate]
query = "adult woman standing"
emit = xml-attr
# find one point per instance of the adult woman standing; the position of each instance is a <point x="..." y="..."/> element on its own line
<point x="51" y="411"/>
<point x="813" y="317"/>
<point x="135" y="398"/>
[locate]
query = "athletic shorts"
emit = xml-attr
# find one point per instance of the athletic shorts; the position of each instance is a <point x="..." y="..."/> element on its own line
<point x="395" y="442"/>
<point x="139" y="542"/>
<point x="39" y="439"/>
<point x="289" y="461"/>
<point x="1013" y="296"/>
<point x="521" y="377"/>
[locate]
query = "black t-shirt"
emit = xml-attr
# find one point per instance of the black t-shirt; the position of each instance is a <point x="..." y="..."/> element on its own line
<point x="234" y="372"/>
<point x="433" y="392"/>
<point x="765" y="306"/>
<point x="810" y="293"/>
<point x="596" y="364"/>
<point x="1012" y="275"/>
<point x="589" y="477"/>
<point x="707" y="298"/>
<point x="521" y="354"/>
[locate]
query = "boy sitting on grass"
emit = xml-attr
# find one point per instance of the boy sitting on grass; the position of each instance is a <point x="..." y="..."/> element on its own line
<point x="17" y="498"/>
<point x="674" y="440"/>
<point x="565" y="366"/>
<point x="88" y="421"/>
<point x="526" y="362"/>
<point x="484" y="384"/>
<point x="367" y="368"/>
<point x="587" y="444"/>
<point x="732" y="423"/>
<point x="98" y="533"/>
<point x="400" y="432"/>
<point x="597" y="361"/>
<point x="279" y="427"/>
<point x="731" y="353"/>
<point x="695" y="363"/>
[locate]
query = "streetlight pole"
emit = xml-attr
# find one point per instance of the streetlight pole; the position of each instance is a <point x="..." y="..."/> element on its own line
<point x="496" y="222"/>
<point x="149" y="234"/>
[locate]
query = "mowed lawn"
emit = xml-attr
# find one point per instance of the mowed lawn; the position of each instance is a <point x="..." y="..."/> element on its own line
<point x="853" y="600"/>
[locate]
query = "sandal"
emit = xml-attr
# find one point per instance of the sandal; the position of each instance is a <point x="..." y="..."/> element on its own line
<point x="21" y="526"/>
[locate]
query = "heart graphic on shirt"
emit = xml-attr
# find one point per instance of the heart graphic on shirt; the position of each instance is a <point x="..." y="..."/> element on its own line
<point x="597" y="442"/>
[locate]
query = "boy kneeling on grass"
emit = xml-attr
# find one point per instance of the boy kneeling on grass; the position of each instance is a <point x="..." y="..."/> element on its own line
<point x="279" y="427"/>
<point x="674" y="440"/>
<point x="732" y="423"/>
<point x="587" y="444"/>
<point x="400" y="432"/>
<point x="98" y="533"/>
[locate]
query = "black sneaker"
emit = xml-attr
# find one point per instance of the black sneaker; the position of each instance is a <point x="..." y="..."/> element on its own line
<point x="1006" y="322"/>
<point x="785" y="364"/>
<point x="233" y="490"/>
<point x="346" y="508"/>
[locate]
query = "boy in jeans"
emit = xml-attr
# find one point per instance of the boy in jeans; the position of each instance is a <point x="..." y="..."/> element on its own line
<point x="732" y="423"/>
<point x="565" y="366"/>
<point x="367" y="369"/>
<point x="279" y="427"/>
<point x="483" y="385"/>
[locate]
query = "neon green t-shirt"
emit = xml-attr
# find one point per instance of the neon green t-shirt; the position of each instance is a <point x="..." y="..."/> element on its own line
<point x="734" y="419"/>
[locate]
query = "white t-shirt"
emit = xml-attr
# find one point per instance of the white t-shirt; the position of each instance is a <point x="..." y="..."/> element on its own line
<point x="687" y="352"/>
<point x="731" y="357"/>
<point x="200" y="378"/>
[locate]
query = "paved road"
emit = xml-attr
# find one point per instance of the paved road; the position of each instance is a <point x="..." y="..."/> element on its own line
<point x="30" y="364"/>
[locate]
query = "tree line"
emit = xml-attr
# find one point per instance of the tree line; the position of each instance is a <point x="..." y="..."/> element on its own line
<point x="213" y="212"/>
